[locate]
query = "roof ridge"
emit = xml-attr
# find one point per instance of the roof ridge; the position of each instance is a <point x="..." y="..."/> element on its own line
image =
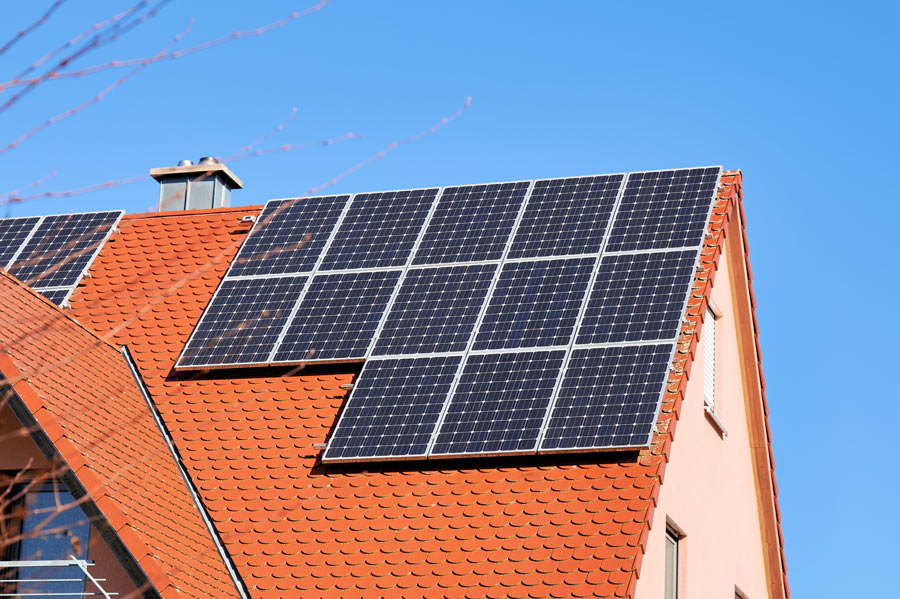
<point x="176" y="213"/>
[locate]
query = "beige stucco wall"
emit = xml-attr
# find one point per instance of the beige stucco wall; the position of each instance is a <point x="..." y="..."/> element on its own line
<point x="709" y="490"/>
<point x="18" y="453"/>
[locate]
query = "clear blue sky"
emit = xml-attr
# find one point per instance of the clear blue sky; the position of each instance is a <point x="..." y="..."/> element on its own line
<point x="802" y="97"/>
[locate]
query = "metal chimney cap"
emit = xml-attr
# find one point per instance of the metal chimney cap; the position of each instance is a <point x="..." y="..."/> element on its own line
<point x="185" y="163"/>
<point x="198" y="169"/>
<point x="208" y="160"/>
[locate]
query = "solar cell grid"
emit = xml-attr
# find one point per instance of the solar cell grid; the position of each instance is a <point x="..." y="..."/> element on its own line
<point x="242" y="322"/>
<point x="13" y="232"/>
<point x="61" y="248"/>
<point x="289" y="236"/>
<point x="394" y="408"/>
<point x="471" y="223"/>
<point x="338" y="316"/>
<point x="663" y="209"/>
<point x="638" y="297"/>
<point x="609" y="398"/>
<point x="57" y="296"/>
<point x="566" y="216"/>
<point x="435" y="310"/>
<point x="379" y="230"/>
<point x="499" y="403"/>
<point x="535" y="304"/>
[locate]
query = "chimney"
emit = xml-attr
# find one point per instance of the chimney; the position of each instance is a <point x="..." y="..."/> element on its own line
<point x="190" y="186"/>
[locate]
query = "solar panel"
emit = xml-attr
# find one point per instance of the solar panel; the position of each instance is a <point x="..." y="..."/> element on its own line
<point x="393" y="409"/>
<point x="535" y="304"/>
<point x="13" y="232"/>
<point x="499" y="404"/>
<point x="61" y="248"/>
<point x="242" y="322"/>
<point x="289" y="236"/>
<point x="566" y="216"/>
<point x="338" y="316"/>
<point x="638" y="297"/>
<point x="664" y="209"/>
<point x="380" y="229"/>
<point x="501" y="318"/>
<point x="435" y="310"/>
<point x="57" y="296"/>
<point x="471" y="223"/>
<point x="609" y="398"/>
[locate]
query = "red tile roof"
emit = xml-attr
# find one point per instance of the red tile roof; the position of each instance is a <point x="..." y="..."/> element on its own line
<point x="82" y="394"/>
<point x="497" y="528"/>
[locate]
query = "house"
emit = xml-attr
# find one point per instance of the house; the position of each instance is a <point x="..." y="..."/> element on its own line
<point x="210" y="482"/>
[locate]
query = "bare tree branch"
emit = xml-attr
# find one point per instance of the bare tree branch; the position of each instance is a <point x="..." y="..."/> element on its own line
<point x="115" y="31"/>
<point x="17" y="37"/>
<point x="118" y="64"/>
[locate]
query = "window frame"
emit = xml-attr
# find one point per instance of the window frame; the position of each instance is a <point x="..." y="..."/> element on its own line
<point x="15" y="517"/>
<point x="710" y="353"/>
<point x="673" y="574"/>
<point x="710" y="336"/>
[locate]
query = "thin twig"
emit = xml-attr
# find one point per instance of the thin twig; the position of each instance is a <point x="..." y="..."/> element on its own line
<point x="17" y="37"/>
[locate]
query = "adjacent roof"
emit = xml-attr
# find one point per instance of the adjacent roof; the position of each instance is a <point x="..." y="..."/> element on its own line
<point x="79" y="390"/>
<point x="251" y="441"/>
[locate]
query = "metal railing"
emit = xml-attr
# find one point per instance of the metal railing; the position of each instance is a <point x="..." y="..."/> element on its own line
<point x="56" y="580"/>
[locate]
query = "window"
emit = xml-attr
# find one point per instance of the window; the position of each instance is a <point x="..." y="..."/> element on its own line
<point x="672" y="539"/>
<point x="42" y="523"/>
<point x="709" y="360"/>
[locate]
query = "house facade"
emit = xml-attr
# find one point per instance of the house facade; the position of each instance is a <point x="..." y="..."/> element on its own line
<point x="211" y="483"/>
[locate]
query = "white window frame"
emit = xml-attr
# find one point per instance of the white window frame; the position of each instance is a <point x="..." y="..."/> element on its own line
<point x="711" y="351"/>
<point x="672" y="561"/>
<point x="709" y="358"/>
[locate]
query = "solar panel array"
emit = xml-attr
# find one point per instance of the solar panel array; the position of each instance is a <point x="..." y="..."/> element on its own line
<point x="52" y="253"/>
<point x="492" y="319"/>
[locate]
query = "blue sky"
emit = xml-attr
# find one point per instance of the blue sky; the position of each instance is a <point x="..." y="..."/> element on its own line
<point x="801" y="96"/>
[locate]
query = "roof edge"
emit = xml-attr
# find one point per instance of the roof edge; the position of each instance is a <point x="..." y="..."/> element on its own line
<point x="239" y="584"/>
<point x="48" y="435"/>
<point x="753" y="363"/>
<point x="729" y="200"/>
<point x="202" y="211"/>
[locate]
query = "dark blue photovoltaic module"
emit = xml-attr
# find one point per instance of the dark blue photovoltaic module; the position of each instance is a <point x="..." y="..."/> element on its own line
<point x="380" y="229"/>
<point x="289" y="236"/>
<point x="338" y="316"/>
<point x="638" y="297"/>
<point x="566" y="216"/>
<point x="394" y="409"/>
<point x="500" y="403"/>
<point x="242" y="322"/>
<point x="13" y="232"/>
<point x="609" y="398"/>
<point x="61" y="247"/>
<point x="57" y="296"/>
<point x="664" y="209"/>
<point x="535" y="304"/>
<point x="471" y="223"/>
<point x="435" y="310"/>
